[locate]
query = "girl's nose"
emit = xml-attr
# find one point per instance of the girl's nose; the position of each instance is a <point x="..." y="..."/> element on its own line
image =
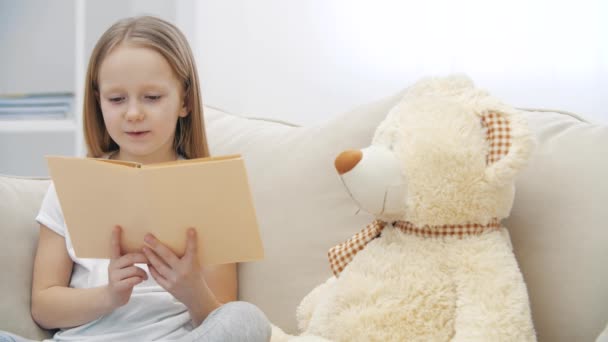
<point x="347" y="160"/>
<point x="134" y="112"/>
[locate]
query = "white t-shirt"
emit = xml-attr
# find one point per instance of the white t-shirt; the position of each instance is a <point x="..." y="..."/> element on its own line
<point x="152" y="314"/>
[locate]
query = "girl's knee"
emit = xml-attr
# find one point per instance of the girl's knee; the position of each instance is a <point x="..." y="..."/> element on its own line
<point x="7" y="337"/>
<point x="250" y="318"/>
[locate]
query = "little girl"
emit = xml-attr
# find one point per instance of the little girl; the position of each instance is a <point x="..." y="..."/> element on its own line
<point x="142" y="103"/>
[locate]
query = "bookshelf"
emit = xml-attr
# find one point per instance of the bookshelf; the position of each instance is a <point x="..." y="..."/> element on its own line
<point x="39" y="56"/>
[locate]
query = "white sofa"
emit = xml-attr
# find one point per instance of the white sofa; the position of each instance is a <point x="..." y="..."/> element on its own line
<point x="559" y="223"/>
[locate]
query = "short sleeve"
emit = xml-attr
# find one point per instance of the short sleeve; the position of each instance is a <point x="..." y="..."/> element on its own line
<point x="50" y="213"/>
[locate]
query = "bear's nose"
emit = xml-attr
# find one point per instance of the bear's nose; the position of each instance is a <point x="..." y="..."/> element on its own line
<point x="347" y="160"/>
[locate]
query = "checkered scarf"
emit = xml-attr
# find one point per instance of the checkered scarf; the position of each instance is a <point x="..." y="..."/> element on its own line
<point x="498" y="134"/>
<point x="340" y="255"/>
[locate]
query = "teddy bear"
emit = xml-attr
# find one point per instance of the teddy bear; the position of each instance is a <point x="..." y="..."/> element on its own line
<point x="436" y="264"/>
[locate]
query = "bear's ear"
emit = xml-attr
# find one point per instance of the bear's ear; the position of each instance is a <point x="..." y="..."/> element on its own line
<point x="510" y="145"/>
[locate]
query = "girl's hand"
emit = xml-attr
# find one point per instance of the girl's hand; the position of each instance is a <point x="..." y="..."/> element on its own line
<point x="123" y="275"/>
<point x="182" y="277"/>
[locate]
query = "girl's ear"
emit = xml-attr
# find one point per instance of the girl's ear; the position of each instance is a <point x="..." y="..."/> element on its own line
<point x="510" y="144"/>
<point x="184" y="111"/>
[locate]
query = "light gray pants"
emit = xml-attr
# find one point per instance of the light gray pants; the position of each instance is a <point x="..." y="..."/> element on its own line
<point x="234" y="321"/>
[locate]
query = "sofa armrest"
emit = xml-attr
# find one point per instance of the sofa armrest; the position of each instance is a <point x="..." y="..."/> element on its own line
<point x="20" y="200"/>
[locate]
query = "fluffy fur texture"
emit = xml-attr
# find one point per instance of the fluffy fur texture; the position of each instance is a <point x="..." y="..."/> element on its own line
<point x="403" y="287"/>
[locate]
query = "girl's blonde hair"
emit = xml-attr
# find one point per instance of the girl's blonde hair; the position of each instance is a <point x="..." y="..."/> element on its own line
<point x="163" y="37"/>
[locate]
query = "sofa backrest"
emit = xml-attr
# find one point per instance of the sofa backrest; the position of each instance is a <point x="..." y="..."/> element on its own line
<point x="559" y="226"/>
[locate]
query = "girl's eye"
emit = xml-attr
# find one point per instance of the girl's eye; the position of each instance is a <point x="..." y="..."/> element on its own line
<point x="117" y="99"/>
<point x="153" y="97"/>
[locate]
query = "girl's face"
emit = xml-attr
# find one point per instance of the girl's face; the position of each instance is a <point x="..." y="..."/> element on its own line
<point x="141" y="100"/>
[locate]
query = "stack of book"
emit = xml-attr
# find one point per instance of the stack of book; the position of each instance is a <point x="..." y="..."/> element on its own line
<point x="36" y="106"/>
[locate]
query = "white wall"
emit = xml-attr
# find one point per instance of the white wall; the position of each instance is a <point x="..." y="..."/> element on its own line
<point x="304" y="61"/>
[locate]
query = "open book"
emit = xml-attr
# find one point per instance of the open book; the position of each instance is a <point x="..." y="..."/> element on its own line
<point x="211" y="195"/>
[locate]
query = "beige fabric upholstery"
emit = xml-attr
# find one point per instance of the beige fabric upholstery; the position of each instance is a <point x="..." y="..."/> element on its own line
<point x="303" y="209"/>
<point x="19" y="203"/>
<point x="558" y="223"/>
<point x="559" y="227"/>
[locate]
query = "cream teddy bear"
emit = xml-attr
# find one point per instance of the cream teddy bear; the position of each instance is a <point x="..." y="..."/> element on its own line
<point x="436" y="264"/>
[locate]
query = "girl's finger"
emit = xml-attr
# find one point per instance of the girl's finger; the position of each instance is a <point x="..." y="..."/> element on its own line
<point x="161" y="250"/>
<point x="128" y="272"/>
<point x="159" y="278"/>
<point x="115" y="242"/>
<point x="191" y="243"/>
<point x="157" y="263"/>
<point x="128" y="283"/>
<point x="130" y="259"/>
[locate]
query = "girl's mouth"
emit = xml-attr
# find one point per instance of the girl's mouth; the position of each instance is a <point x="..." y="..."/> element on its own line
<point x="137" y="134"/>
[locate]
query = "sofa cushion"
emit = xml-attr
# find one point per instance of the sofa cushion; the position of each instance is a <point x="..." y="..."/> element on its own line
<point x="20" y="200"/>
<point x="302" y="207"/>
<point x="557" y="223"/>
<point x="558" y="227"/>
